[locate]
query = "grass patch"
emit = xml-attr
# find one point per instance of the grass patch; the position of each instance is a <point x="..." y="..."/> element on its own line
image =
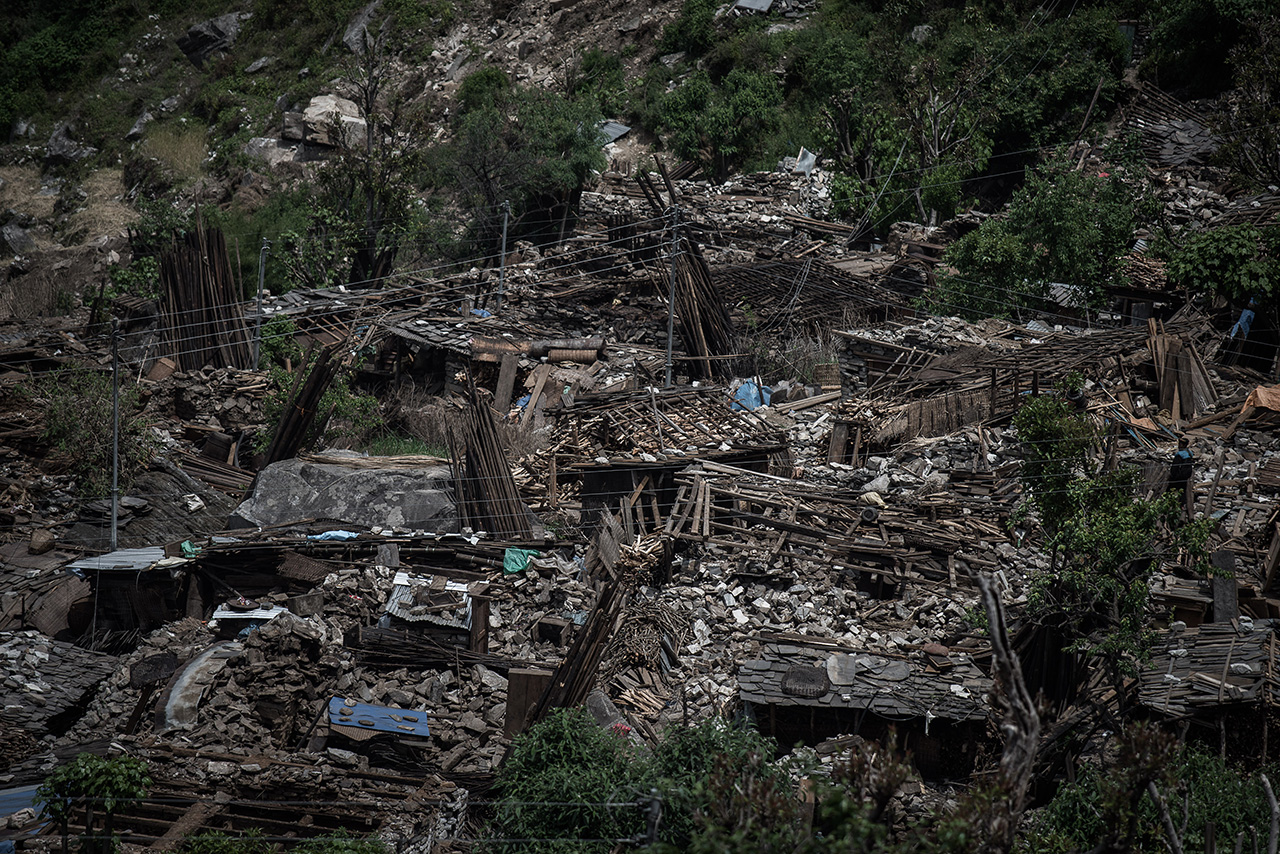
<point x="400" y="446"/>
<point x="181" y="149"/>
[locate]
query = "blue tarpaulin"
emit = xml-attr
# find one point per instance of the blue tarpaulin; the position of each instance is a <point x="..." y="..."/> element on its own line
<point x="334" y="535"/>
<point x="343" y="711"/>
<point x="750" y="396"/>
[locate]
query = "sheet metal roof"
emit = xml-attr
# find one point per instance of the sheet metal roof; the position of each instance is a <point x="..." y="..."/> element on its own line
<point x="614" y="130"/>
<point x="123" y="560"/>
<point x="408" y="601"/>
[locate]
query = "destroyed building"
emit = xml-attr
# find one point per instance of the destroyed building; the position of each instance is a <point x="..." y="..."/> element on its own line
<point x="673" y="538"/>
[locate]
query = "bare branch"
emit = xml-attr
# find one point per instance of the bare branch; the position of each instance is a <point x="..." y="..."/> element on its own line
<point x="1175" y="844"/>
<point x="1275" y="815"/>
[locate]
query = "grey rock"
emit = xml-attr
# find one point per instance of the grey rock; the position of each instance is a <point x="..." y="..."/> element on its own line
<point x="16" y="238"/>
<point x="259" y="64"/>
<point x="168" y="105"/>
<point x="61" y="149"/>
<point x="139" y="125"/>
<point x="879" y="484"/>
<point x="331" y="120"/>
<point x="209" y="37"/>
<point x="354" y="35"/>
<point x="409" y="498"/>
<point x="273" y="152"/>
<point x="455" y="67"/>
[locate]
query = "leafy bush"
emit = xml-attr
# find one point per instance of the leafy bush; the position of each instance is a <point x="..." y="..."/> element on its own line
<point x="1063" y="226"/>
<point x="342" y="843"/>
<point x="1101" y="800"/>
<point x="483" y="88"/>
<point x="701" y="768"/>
<point x="693" y="31"/>
<point x="97" y="785"/>
<point x="217" y="842"/>
<point x="598" y="76"/>
<point x="558" y="783"/>
<point x="1239" y="261"/>
<point x="76" y="404"/>
<point x="721" y="125"/>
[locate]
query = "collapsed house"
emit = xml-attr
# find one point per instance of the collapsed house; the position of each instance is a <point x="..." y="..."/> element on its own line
<point x="367" y="635"/>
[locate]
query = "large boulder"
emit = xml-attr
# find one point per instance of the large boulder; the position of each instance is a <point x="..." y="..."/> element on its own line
<point x="16" y="240"/>
<point x="328" y="120"/>
<point x="361" y="495"/>
<point x="354" y="36"/>
<point x="61" y="149"/>
<point x="206" y="38"/>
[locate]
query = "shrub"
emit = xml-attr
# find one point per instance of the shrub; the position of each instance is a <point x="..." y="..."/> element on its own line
<point x="558" y="783"/>
<point x="1063" y="226"/>
<point x="96" y="784"/>
<point x="217" y="842"/>
<point x="1238" y="261"/>
<point x="76" y="404"/>
<point x="693" y="31"/>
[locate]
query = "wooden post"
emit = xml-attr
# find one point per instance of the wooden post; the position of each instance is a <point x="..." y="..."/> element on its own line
<point x="479" y="641"/>
<point x="524" y="689"/>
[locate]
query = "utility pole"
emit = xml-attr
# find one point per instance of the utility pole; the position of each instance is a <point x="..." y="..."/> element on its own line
<point x="115" y="432"/>
<point x="671" y="296"/>
<point x="502" y="259"/>
<point x="257" y="323"/>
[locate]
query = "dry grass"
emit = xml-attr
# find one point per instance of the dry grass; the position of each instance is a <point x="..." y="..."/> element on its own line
<point x="181" y="149"/>
<point x="104" y="212"/>
<point x="21" y="191"/>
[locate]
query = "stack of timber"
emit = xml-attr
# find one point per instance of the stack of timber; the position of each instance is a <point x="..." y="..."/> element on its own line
<point x="701" y="311"/>
<point x="772" y="523"/>
<point x="487" y="496"/>
<point x="1203" y="668"/>
<point x="201" y="303"/>
<point x="304" y="398"/>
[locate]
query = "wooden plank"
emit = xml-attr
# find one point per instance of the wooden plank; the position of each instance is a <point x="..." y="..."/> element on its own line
<point x="839" y="444"/>
<point x="506" y="383"/>
<point x="540" y="380"/>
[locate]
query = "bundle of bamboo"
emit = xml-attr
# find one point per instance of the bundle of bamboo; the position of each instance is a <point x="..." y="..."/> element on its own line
<point x="487" y="496"/>
<point x="201" y="302"/>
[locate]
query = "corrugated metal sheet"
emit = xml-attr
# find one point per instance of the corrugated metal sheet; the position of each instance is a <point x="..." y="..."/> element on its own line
<point x="413" y="600"/>
<point x="614" y="130"/>
<point x="123" y="560"/>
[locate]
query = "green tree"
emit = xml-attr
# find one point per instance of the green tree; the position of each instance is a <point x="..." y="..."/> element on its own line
<point x="365" y="207"/>
<point x="1063" y="227"/>
<point x="567" y="785"/>
<point x="1249" y="123"/>
<point x="1108" y="805"/>
<point x="1110" y="539"/>
<point x="721" y="125"/>
<point x="97" y="785"/>
<point x="533" y="148"/>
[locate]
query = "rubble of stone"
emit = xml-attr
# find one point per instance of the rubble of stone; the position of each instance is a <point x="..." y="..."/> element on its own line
<point x="794" y="546"/>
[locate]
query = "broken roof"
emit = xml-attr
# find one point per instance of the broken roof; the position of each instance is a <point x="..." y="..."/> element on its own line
<point x="788" y="675"/>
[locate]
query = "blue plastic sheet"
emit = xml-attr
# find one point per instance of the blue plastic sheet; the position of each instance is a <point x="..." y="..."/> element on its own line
<point x="334" y="535"/>
<point x="750" y="396"/>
